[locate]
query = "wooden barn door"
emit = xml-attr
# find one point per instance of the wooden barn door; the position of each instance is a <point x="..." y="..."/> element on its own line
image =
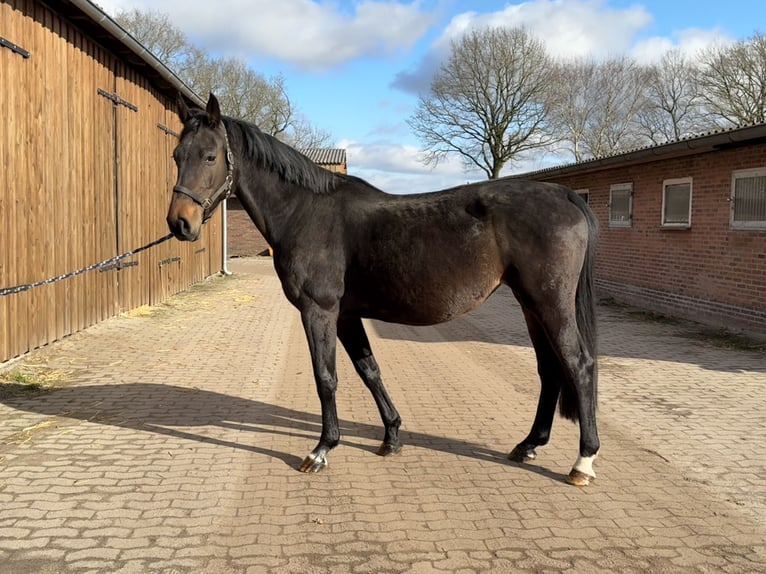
<point x="141" y="189"/>
<point x="56" y="176"/>
<point x="146" y="132"/>
<point x="85" y="175"/>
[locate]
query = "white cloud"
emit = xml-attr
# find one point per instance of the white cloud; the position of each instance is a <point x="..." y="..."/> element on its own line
<point x="397" y="168"/>
<point x="306" y="33"/>
<point x="690" y="42"/>
<point x="569" y="28"/>
<point x="404" y="158"/>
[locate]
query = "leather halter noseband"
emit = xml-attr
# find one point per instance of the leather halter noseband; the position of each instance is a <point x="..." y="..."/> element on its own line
<point x="224" y="189"/>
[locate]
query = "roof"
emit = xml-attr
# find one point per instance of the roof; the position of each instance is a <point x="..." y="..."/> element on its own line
<point x="692" y="145"/>
<point x="325" y="156"/>
<point x="98" y="25"/>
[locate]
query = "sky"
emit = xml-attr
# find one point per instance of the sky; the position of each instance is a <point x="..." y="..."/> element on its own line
<point x="355" y="68"/>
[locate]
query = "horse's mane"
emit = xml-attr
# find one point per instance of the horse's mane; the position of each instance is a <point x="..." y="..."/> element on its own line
<point x="273" y="155"/>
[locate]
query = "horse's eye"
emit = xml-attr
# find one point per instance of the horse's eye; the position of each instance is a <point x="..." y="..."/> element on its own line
<point x="210" y="159"/>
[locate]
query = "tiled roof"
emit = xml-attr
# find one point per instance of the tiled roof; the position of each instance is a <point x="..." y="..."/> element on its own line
<point x="325" y="156"/>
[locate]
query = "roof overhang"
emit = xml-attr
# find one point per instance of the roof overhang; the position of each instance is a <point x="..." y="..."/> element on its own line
<point x="726" y="139"/>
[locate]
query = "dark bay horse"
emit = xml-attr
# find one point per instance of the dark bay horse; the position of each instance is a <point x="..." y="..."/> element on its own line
<point x="345" y="250"/>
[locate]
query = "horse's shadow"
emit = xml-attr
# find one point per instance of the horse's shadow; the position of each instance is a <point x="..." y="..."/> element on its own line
<point x="177" y="411"/>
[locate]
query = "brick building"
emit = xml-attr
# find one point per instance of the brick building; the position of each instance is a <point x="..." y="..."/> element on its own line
<point x="683" y="225"/>
<point x="244" y="240"/>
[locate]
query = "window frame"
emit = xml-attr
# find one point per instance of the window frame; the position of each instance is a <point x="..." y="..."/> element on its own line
<point x="677" y="181"/>
<point x="619" y="187"/>
<point x="759" y="225"/>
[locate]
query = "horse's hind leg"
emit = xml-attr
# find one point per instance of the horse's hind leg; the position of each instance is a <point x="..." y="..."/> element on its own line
<point x="551" y="375"/>
<point x="577" y="400"/>
<point x="354" y="339"/>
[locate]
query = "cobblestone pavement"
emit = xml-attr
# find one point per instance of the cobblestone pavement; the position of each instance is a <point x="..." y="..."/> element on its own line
<point x="171" y="444"/>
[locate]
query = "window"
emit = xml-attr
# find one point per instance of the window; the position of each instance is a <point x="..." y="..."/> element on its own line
<point x="748" y="199"/>
<point x="677" y="203"/>
<point x="583" y="193"/>
<point x="621" y="205"/>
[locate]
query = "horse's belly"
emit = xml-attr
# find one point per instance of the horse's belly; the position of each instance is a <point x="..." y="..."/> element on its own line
<point x="424" y="302"/>
<point x="427" y="274"/>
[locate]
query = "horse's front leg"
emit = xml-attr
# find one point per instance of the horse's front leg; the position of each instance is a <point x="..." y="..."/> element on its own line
<point x="354" y="338"/>
<point x="321" y="328"/>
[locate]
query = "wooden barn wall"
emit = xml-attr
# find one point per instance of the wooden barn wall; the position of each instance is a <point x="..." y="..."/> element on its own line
<point x="82" y="180"/>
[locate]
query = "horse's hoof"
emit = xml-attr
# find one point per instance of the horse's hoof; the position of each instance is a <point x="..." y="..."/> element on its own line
<point x="387" y="449"/>
<point x="522" y="454"/>
<point x="578" y="478"/>
<point x="313" y="463"/>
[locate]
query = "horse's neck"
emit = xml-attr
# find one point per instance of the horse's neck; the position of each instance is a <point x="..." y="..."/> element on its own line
<point x="268" y="204"/>
<point x="267" y="199"/>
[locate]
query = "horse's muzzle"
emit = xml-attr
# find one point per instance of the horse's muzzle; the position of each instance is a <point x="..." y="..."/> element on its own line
<point x="182" y="228"/>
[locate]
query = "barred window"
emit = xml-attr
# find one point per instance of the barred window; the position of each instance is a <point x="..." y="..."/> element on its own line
<point x="677" y="203"/>
<point x="748" y="199"/>
<point x="621" y="205"/>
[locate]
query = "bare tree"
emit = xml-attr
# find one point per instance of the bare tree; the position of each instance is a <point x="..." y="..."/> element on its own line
<point x="487" y="102"/>
<point x="733" y="81"/>
<point x="155" y="31"/>
<point x="573" y="105"/>
<point x="241" y="91"/>
<point x="595" y="106"/>
<point x="306" y="135"/>
<point x="674" y="106"/>
<point x="245" y="94"/>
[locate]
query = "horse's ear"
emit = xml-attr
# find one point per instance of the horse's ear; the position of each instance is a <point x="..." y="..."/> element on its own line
<point x="213" y="110"/>
<point x="183" y="109"/>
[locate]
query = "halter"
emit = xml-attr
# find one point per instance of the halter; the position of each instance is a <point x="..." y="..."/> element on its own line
<point x="224" y="189"/>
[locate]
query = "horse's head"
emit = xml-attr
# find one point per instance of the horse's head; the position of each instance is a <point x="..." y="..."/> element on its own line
<point x="205" y="169"/>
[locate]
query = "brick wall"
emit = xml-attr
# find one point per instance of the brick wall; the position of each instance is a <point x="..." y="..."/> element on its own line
<point x="244" y="240"/>
<point x="709" y="272"/>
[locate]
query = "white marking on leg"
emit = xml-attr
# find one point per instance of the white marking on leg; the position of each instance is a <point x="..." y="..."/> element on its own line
<point x="318" y="457"/>
<point x="584" y="465"/>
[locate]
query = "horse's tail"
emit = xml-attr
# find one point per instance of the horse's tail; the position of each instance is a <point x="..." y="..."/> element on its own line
<point x="585" y="305"/>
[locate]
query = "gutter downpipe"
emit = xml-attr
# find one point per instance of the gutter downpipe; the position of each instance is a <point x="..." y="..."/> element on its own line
<point x="225" y="240"/>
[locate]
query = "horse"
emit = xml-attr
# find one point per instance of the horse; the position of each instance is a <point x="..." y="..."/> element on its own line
<point x="345" y="250"/>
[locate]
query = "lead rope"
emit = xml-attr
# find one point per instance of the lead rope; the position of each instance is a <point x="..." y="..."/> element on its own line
<point x="28" y="286"/>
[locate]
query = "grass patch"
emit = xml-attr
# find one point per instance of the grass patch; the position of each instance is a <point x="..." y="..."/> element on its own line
<point x="143" y="311"/>
<point x="183" y="300"/>
<point x="30" y="382"/>
<point x="26" y="435"/>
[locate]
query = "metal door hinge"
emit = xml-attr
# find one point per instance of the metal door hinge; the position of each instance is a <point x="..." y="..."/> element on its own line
<point x="117" y="100"/>
<point x="14" y="47"/>
<point x="168" y="131"/>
